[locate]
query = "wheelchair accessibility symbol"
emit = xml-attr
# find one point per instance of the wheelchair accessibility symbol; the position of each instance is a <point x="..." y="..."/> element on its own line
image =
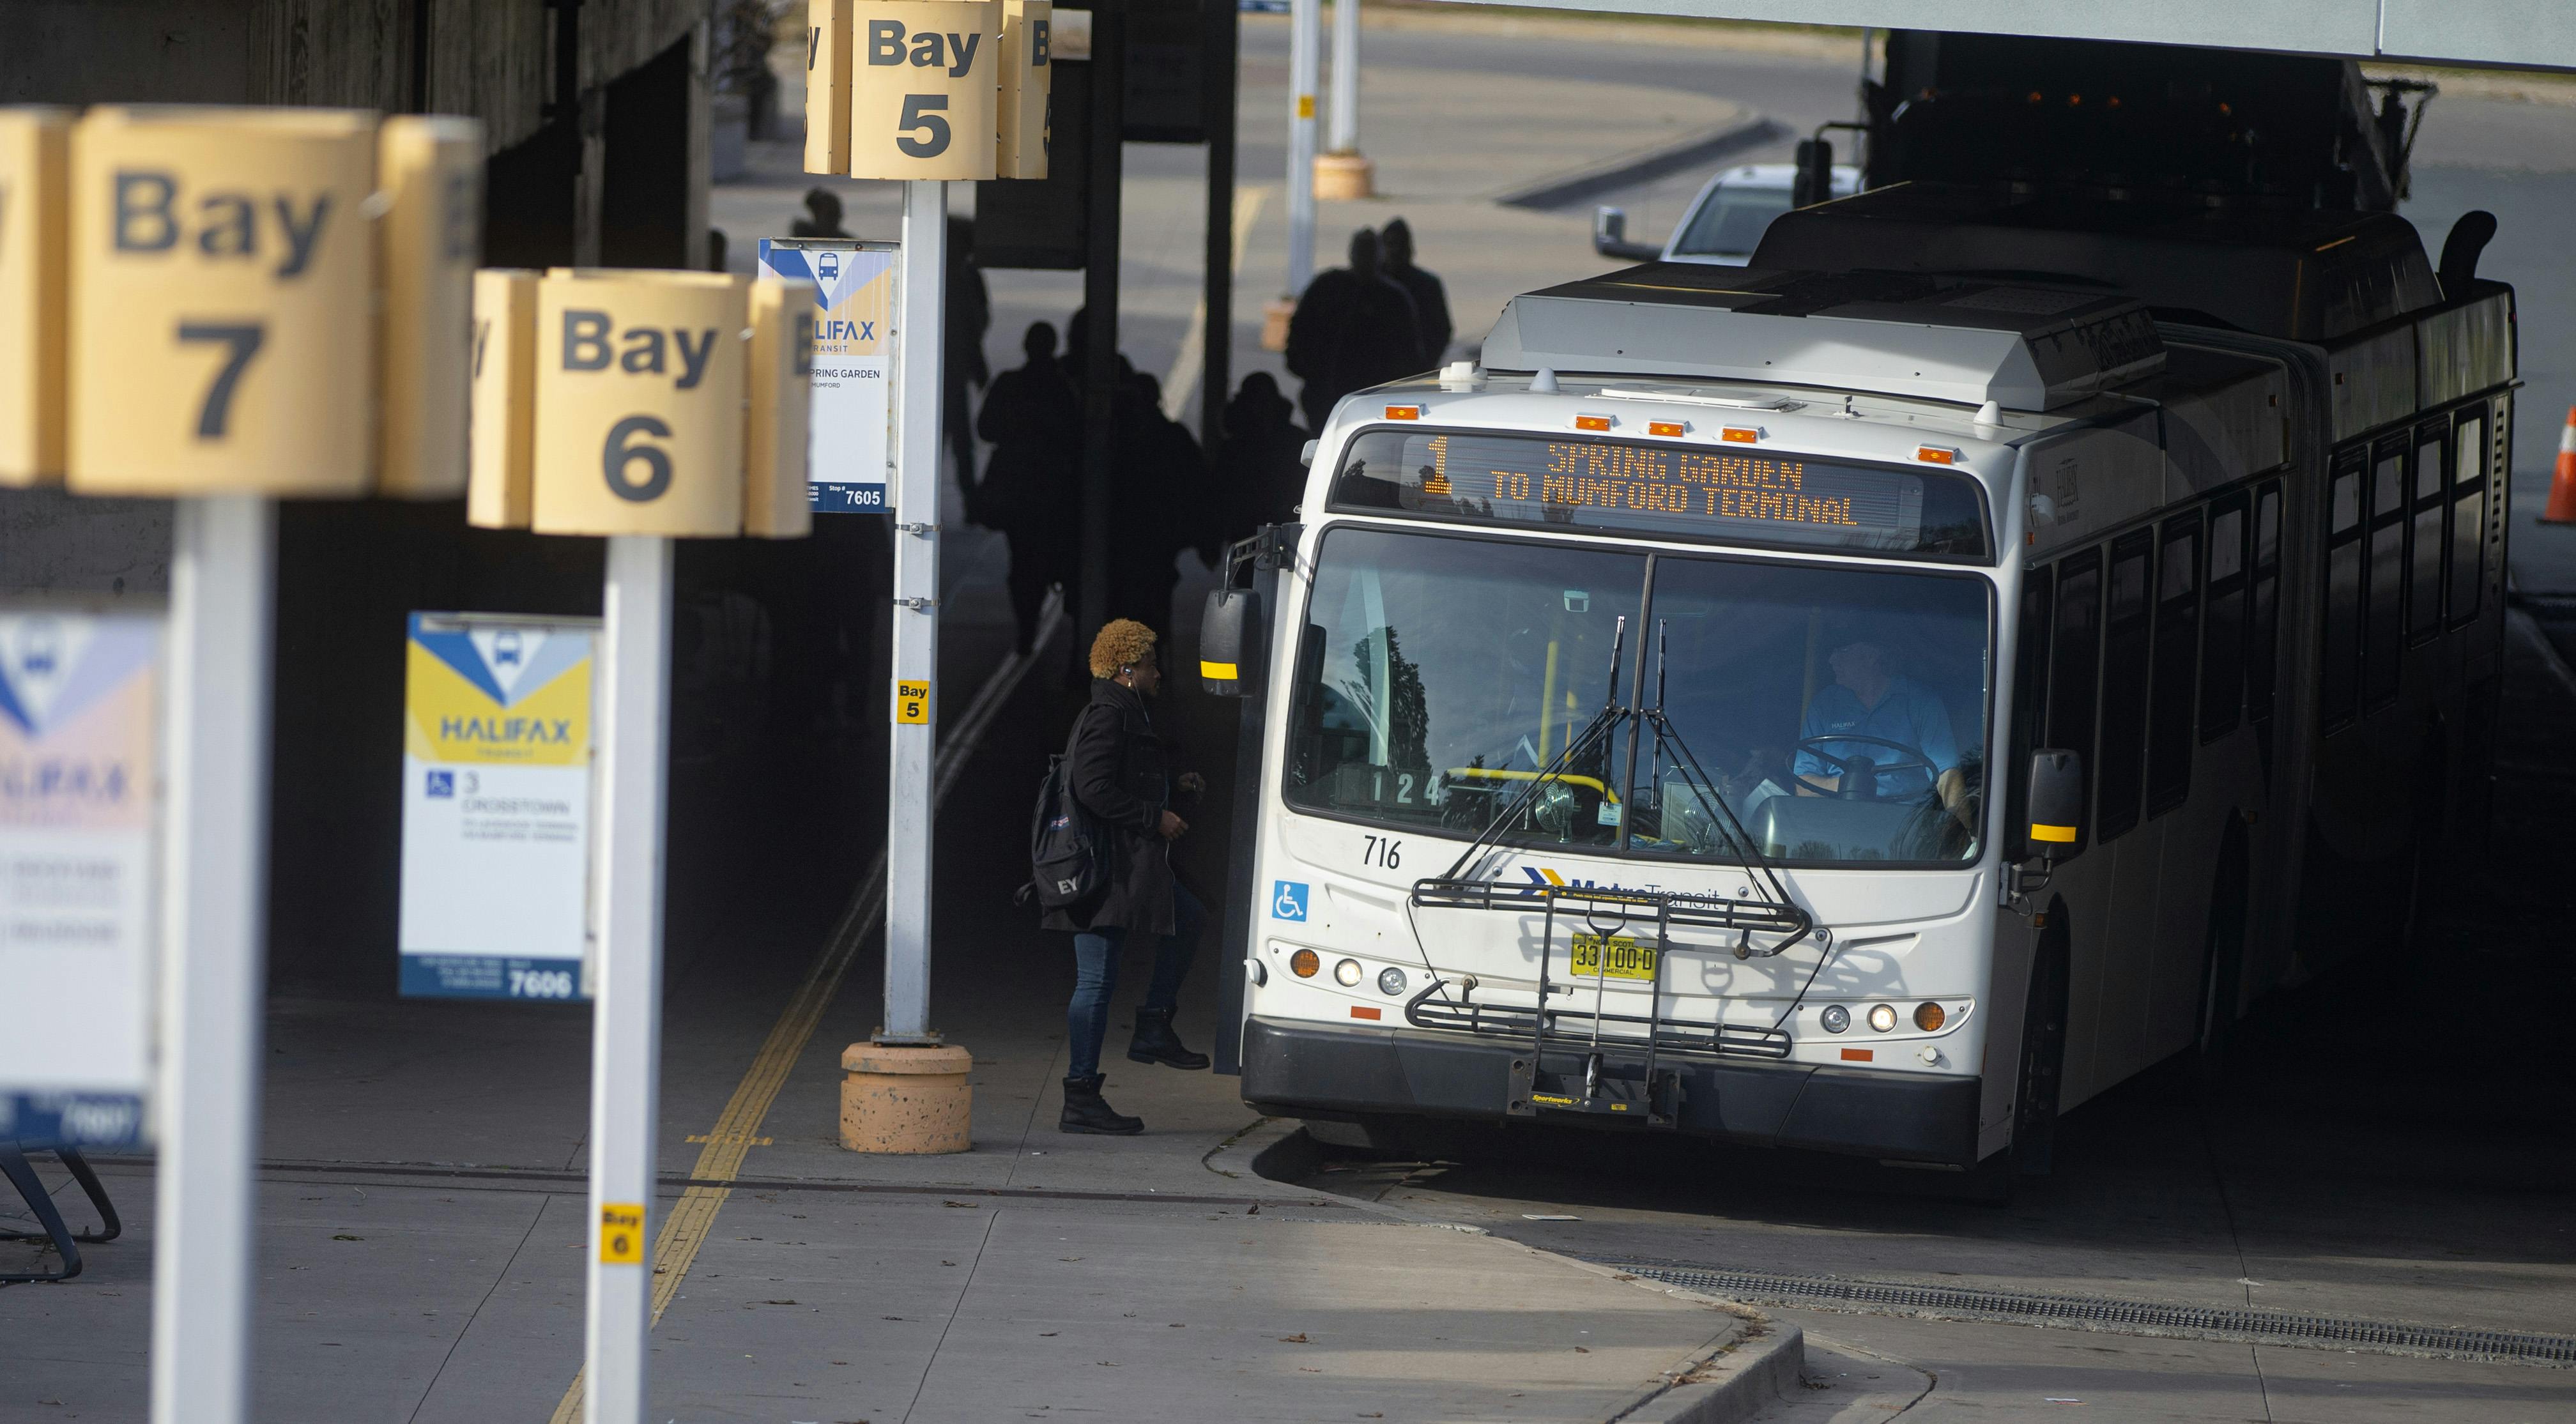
<point x="1288" y="900"/>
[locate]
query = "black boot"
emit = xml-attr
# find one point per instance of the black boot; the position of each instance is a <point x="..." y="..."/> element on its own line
<point x="1156" y="1043"/>
<point x="1085" y="1112"/>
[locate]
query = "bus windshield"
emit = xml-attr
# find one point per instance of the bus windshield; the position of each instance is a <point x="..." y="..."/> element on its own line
<point x="1839" y="712"/>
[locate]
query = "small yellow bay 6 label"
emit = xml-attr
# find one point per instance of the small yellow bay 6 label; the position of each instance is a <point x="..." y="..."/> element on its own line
<point x="621" y="1234"/>
<point x="912" y="702"/>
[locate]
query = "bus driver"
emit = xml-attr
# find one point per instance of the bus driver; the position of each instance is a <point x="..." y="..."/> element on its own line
<point x="1904" y="722"/>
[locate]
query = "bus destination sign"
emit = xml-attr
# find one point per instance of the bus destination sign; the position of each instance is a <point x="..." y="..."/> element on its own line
<point x="1626" y="487"/>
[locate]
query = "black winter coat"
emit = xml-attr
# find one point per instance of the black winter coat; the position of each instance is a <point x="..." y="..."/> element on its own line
<point x="1119" y="768"/>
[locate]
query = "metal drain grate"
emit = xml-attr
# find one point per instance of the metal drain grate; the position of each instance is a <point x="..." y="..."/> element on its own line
<point x="2115" y="1316"/>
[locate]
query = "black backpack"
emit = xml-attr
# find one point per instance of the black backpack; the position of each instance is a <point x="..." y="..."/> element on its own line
<point x="1068" y="849"/>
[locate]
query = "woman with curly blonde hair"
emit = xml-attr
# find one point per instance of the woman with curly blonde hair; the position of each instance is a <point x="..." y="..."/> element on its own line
<point x="1119" y="767"/>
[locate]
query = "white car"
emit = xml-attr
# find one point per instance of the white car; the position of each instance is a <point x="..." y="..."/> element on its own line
<point x="1724" y="223"/>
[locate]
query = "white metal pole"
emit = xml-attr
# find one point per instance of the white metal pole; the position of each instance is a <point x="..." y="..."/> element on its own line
<point x="916" y="611"/>
<point x="626" y="1008"/>
<point x="1346" y="76"/>
<point x="1303" y="36"/>
<point x="213" y="962"/>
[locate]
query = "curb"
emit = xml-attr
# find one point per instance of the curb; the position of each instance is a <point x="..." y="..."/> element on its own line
<point x="1749" y="1369"/>
<point x="1569" y="189"/>
<point x="1756" y="1370"/>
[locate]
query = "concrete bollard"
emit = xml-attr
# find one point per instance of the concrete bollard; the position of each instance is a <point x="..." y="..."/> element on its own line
<point x="905" y="1099"/>
<point x="1344" y="177"/>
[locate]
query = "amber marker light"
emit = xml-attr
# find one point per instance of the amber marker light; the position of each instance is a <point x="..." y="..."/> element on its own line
<point x="1740" y="435"/>
<point x="1404" y="412"/>
<point x="1930" y="1017"/>
<point x="1303" y="964"/>
<point x="1365" y="1011"/>
<point x="1592" y="422"/>
<point x="1673" y="428"/>
<point x="1935" y="455"/>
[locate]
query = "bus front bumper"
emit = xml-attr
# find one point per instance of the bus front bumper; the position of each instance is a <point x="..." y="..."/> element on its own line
<point x="1326" y="1070"/>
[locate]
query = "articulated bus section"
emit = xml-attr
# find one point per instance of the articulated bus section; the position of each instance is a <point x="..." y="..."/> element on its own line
<point x="1595" y="791"/>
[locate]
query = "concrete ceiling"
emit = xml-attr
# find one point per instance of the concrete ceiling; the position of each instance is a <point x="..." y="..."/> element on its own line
<point x="2518" y="34"/>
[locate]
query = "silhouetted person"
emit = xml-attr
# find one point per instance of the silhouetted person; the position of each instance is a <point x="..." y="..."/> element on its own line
<point x="1430" y="299"/>
<point x="1031" y="490"/>
<point x="970" y="315"/>
<point x="1260" y="468"/>
<point x="822" y="215"/>
<point x="1158" y="503"/>
<point x="1354" y="328"/>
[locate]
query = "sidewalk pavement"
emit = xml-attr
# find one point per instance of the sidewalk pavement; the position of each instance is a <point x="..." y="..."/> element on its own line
<point x="422" y="1214"/>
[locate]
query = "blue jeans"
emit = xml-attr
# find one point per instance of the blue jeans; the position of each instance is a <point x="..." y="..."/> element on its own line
<point x="1095" y="979"/>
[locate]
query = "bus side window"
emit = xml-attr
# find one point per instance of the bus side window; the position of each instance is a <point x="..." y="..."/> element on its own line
<point x="2339" y="677"/>
<point x="2431" y="501"/>
<point x="2263" y="625"/>
<point x="2029" y="705"/>
<point x="2222" y="640"/>
<point x="2383" y="626"/>
<point x="2126" y="648"/>
<point x="2177" y="658"/>
<point x="2075" y="659"/>
<point x="2468" y="517"/>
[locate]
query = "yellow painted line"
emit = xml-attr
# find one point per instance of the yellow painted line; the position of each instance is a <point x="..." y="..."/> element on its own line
<point x="1182" y="381"/>
<point x="685" y="1228"/>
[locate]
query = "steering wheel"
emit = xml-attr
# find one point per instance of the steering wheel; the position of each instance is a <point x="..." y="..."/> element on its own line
<point x="1914" y="760"/>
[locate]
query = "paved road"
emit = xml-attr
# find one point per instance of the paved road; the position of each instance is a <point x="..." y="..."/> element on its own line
<point x="2392" y="1145"/>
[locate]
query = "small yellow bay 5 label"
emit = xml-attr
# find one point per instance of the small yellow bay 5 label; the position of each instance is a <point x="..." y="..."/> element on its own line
<point x="621" y="1234"/>
<point x="912" y="702"/>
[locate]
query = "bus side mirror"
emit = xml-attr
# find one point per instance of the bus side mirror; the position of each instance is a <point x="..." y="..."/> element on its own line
<point x="2056" y="801"/>
<point x="1229" y="637"/>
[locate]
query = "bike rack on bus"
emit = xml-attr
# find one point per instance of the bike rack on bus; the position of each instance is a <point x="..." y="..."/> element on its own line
<point x="1656" y="1096"/>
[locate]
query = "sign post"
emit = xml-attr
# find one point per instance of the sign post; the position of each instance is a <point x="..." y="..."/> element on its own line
<point x="933" y="94"/>
<point x="641" y="406"/>
<point x="226" y="270"/>
<point x="916" y="620"/>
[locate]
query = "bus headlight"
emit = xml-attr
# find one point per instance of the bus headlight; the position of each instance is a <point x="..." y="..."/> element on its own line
<point x="1347" y="973"/>
<point x="1390" y="981"/>
<point x="1882" y="1017"/>
<point x="1303" y="964"/>
<point x="1930" y="1017"/>
<point x="1837" y="1018"/>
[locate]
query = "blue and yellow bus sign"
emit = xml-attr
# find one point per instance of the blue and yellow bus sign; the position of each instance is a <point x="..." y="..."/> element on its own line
<point x="850" y="420"/>
<point x="496" y="806"/>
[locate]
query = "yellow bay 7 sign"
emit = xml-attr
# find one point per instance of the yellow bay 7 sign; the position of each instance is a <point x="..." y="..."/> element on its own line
<point x="923" y="87"/>
<point x="226" y="270"/>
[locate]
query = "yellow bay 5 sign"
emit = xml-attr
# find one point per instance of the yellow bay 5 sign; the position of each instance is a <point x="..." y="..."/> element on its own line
<point x="640" y="402"/>
<point x="263" y="301"/>
<point x="927" y="89"/>
<point x="924" y="88"/>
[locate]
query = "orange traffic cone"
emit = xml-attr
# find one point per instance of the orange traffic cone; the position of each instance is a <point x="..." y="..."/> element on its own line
<point x="2562" y="487"/>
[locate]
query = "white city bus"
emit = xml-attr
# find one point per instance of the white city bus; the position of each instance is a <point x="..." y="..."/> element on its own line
<point x="1651" y="731"/>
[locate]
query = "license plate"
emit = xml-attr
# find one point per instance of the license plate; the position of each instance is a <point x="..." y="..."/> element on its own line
<point x="1623" y="959"/>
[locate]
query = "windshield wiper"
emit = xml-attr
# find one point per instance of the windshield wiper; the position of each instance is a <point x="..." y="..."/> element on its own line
<point x="1732" y="833"/>
<point x="1610" y="716"/>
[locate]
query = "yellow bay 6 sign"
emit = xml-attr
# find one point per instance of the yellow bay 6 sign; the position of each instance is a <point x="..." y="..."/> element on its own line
<point x="611" y="401"/>
<point x="265" y="301"/>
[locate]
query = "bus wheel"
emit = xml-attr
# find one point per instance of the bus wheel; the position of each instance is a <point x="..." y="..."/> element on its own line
<point x="2043" y="1054"/>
